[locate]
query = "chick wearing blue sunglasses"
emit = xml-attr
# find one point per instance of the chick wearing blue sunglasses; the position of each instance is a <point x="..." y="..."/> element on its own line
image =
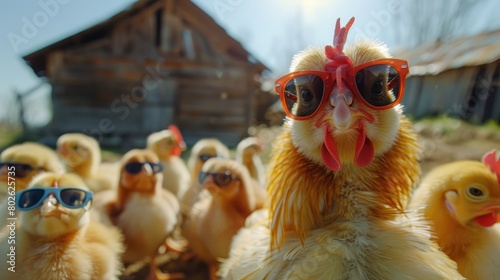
<point x="55" y="227"/>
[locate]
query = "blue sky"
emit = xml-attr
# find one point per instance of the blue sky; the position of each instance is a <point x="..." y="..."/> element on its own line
<point x="272" y="30"/>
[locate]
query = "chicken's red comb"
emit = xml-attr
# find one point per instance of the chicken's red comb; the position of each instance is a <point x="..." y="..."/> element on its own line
<point x="340" y="35"/>
<point x="490" y="159"/>
<point x="180" y="141"/>
<point x="334" y="53"/>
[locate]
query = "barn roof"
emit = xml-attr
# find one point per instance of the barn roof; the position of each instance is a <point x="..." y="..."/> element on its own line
<point x="436" y="57"/>
<point x="37" y="60"/>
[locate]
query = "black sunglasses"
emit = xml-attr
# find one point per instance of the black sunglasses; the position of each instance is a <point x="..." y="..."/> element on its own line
<point x="135" y="167"/>
<point x="73" y="198"/>
<point x="205" y="157"/>
<point x="220" y="179"/>
<point x="18" y="170"/>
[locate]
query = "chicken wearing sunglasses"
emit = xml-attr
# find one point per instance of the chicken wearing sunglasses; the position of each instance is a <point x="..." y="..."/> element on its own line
<point x="216" y="218"/>
<point x="146" y="213"/>
<point x="18" y="165"/>
<point x="340" y="175"/>
<point x="56" y="238"/>
<point x="23" y="161"/>
<point x="202" y="151"/>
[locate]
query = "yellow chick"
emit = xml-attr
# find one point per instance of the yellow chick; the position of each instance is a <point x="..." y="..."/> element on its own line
<point x="462" y="202"/>
<point x="216" y="218"/>
<point x="82" y="156"/>
<point x="22" y="162"/>
<point x="247" y="153"/>
<point x="55" y="237"/>
<point x="202" y="151"/>
<point x="168" y="145"/>
<point x="144" y="212"/>
<point x="18" y="165"/>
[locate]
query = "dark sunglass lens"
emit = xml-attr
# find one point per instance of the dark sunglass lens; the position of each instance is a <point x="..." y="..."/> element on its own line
<point x="30" y="198"/>
<point x="222" y="179"/>
<point x="19" y="169"/>
<point x="379" y="85"/>
<point x="202" y="176"/>
<point x="205" y="157"/>
<point x="133" y="167"/>
<point x="72" y="197"/>
<point x="303" y="95"/>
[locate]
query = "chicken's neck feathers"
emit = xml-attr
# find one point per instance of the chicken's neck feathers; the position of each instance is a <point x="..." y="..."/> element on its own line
<point x="304" y="195"/>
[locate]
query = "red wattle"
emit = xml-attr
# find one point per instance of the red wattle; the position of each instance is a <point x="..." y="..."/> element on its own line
<point x="364" y="148"/>
<point x="487" y="220"/>
<point x="329" y="153"/>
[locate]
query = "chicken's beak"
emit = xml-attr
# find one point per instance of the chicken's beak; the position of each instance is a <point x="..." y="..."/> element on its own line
<point x="50" y="208"/>
<point x="342" y="116"/>
<point x="62" y="150"/>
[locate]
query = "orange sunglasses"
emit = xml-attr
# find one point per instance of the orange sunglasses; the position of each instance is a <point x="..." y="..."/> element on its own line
<point x="378" y="84"/>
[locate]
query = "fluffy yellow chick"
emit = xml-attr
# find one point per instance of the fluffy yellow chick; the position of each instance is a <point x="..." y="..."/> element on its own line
<point x="55" y="237"/>
<point x="22" y="162"/>
<point x="216" y="218"/>
<point x="144" y="212"/>
<point x="462" y="202"/>
<point x="168" y="145"/>
<point x="202" y="150"/>
<point x="340" y="176"/>
<point x="82" y="156"/>
<point x="247" y="153"/>
<point x="18" y="165"/>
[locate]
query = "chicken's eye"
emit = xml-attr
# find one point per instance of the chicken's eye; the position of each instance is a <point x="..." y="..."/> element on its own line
<point x="307" y="96"/>
<point x="475" y="193"/>
<point x="377" y="89"/>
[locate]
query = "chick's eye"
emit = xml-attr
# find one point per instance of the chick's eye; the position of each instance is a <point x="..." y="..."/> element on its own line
<point x="306" y="95"/>
<point x="377" y="88"/>
<point x="474" y="191"/>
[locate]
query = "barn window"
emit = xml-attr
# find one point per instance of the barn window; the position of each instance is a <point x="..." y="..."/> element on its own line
<point x="187" y="38"/>
<point x="158" y="24"/>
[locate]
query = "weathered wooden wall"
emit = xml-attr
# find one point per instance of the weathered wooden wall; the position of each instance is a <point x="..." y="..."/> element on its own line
<point x="470" y="93"/>
<point x="159" y="66"/>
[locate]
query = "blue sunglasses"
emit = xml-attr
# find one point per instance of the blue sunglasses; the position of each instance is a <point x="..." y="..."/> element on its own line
<point x="73" y="198"/>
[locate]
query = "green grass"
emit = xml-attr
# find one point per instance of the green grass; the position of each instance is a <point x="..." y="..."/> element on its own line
<point x="9" y="135"/>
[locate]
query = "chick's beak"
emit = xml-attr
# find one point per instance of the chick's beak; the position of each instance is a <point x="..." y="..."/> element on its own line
<point x="62" y="150"/>
<point x="50" y="207"/>
<point x="492" y="217"/>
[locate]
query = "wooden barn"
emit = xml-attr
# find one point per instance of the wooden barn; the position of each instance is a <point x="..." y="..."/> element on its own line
<point x="459" y="78"/>
<point x="158" y="62"/>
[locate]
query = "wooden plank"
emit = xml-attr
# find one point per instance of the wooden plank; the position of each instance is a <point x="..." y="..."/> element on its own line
<point x="213" y="108"/>
<point x="156" y="118"/>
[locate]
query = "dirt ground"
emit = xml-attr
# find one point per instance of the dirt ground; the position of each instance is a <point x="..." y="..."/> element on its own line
<point x="442" y="141"/>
